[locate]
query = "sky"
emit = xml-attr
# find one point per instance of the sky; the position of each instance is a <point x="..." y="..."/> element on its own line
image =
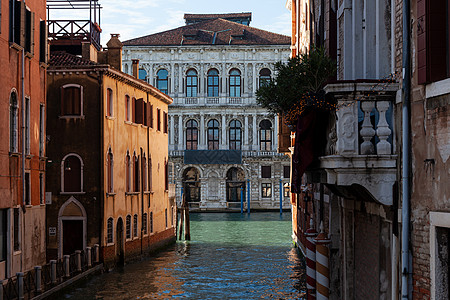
<point x="136" y="18"/>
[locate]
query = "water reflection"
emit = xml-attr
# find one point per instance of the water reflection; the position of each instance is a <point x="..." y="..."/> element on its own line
<point x="230" y="257"/>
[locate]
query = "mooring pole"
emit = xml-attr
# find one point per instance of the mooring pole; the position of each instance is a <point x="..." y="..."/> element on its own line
<point x="187" y="229"/>
<point x="248" y="196"/>
<point x="281" y="197"/>
<point x="242" y="200"/>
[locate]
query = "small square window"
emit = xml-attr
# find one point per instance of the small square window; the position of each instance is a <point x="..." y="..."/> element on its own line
<point x="286" y="171"/>
<point x="266" y="171"/>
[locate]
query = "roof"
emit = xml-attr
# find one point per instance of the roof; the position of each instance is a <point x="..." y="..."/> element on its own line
<point x="62" y="58"/>
<point x="211" y="32"/>
<point x="216" y="16"/>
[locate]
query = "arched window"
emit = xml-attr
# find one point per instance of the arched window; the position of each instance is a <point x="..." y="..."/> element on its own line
<point x="71" y="100"/>
<point x="191" y="83"/>
<point x="109" y="105"/>
<point x="264" y="77"/>
<point x="142" y="74"/>
<point x="135" y="173"/>
<point x="127" y="108"/>
<point x="213" y="135"/>
<point x="235" y="83"/>
<point x="191" y="135"/>
<point x="135" y="225"/>
<point x="72" y="174"/>
<point x="144" y="223"/>
<point x="126" y="68"/>
<point x="150" y="175"/>
<point x="235" y="135"/>
<point x="128" y="172"/>
<point x="13" y="123"/>
<point x="265" y="135"/>
<point x="110" y="172"/>
<point x="162" y="80"/>
<point x="213" y="83"/>
<point x="144" y="173"/>
<point x="128" y="227"/>
<point x="109" y="231"/>
<point x="151" y="222"/>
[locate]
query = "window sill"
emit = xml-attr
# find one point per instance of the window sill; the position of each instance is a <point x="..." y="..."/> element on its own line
<point x="15" y="154"/>
<point x="110" y="194"/>
<point x="437" y="88"/>
<point x="71" y="117"/>
<point x="13" y="45"/>
<point x="110" y="118"/>
<point x="128" y="122"/>
<point x="72" y="193"/>
<point x="135" y="124"/>
<point x="131" y="193"/>
<point x="42" y="204"/>
<point x="43" y="65"/>
<point x="144" y="126"/>
<point x="109" y="244"/>
<point x="147" y="193"/>
<point x="28" y="206"/>
<point x="29" y="55"/>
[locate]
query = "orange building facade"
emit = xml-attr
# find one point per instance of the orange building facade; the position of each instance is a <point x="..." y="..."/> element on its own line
<point x="23" y="57"/>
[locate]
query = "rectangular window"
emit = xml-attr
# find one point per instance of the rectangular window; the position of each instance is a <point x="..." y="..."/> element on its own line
<point x="287" y="192"/>
<point x="71" y="100"/>
<point x="29" y="31"/>
<point x="27" y="126"/>
<point x="286" y="171"/>
<point x="151" y="116"/>
<point x="266" y="190"/>
<point x="151" y="222"/>
<point x="165" y="215"/>
<point x="139" y="111"/>
<point x="109" y="102"/>
<point x="41" y="188"/>
<point x="16" y="228"/>
<point x="442" y="263"/>
<point x="3" y="234"/>
<point x="127" y="108"/>
<point x="135" y="226"/>
<point x="165" y="119"/>
<point x="16" y="22"/>
<point x="158" y="119"/>
<point x="266" y="172"/>
<point x="109" y="231"/>
<point x="145" y="114"/>
<point x="144" y="223"/>
<point x="27" y="189"/>
<point x="41" y="130"/>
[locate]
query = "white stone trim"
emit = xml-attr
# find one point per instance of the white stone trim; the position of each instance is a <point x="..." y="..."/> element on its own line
<point x="437" y="88"/>
<point x="81" y="98"/>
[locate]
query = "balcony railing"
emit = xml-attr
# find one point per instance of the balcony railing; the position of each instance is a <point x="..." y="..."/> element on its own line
<point x="75" y="31"/>
<point x="212" y="100"/>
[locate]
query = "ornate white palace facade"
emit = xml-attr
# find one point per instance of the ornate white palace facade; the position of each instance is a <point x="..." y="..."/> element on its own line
<point x="222" y="144"/>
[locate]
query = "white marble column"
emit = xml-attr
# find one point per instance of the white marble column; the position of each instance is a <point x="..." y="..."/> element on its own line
<point x="201" y="82"/>
<point x="255" y="134"/>
<point x="254" y="79"/>
<point x="180" y="81"/>
<point x="245" y="143"/>
<point x="223" y="143"/>
<point x="180" y="132"/>
<point x="172" y="78"/>
<point x="202" y="140"/>
<point x="172" y="131"/>
<point x="150" y="73"/>
<point x="224" y="78"/>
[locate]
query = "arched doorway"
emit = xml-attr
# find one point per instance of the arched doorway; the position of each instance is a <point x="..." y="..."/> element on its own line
<point x="191" y="185"/>
<point x="235" y="183"/>
<point x="120" y="255"/>
<point x="72" y="227"/>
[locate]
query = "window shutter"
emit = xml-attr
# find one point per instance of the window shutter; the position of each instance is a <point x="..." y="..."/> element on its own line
<point x="145" y="121"/>
<point x="139" y="111"/>
<point x="151" y="116"/>
<point x="43" y="38"/>
<point x="133" y="109"/>
<point x="431" y="40"/>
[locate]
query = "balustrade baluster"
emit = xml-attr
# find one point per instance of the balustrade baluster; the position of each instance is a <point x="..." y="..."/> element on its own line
<point x="367" y="131"/>
<point x="383" y="130"/>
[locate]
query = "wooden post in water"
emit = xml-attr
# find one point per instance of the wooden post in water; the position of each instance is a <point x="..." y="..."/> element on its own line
<point x="187" y="228"/>
<point x="181" y="221"/>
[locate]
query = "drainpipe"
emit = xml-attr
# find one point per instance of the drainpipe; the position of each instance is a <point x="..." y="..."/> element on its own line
<point x="406" y="148"/>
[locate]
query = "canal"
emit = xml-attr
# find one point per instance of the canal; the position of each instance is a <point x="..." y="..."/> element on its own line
<point x="230" y="256"/>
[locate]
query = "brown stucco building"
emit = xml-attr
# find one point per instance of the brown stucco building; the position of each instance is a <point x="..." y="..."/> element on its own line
<point x="23" y="57"/>
<point x="108" y="155"/>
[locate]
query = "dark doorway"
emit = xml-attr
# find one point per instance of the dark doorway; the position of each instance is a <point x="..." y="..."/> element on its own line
<point x="191" y="185"/>
<point x="120" y="255"/>
<point x="72" y="236"/>
<point x="235" y="184"/>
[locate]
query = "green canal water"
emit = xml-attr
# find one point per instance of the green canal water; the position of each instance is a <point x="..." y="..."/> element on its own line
<point x="230" y="256"/>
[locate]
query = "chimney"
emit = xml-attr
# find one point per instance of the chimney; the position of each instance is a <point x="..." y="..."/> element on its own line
<point x="115" y="52"/>
<point x="135" y="67"/>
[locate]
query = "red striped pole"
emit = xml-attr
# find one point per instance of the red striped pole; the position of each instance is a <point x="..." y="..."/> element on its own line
<point x="310" y="234"/>
<point x="322" y="270"/>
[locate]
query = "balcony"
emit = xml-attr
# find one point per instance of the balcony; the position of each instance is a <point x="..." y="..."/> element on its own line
<point x="360" y="156"/>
